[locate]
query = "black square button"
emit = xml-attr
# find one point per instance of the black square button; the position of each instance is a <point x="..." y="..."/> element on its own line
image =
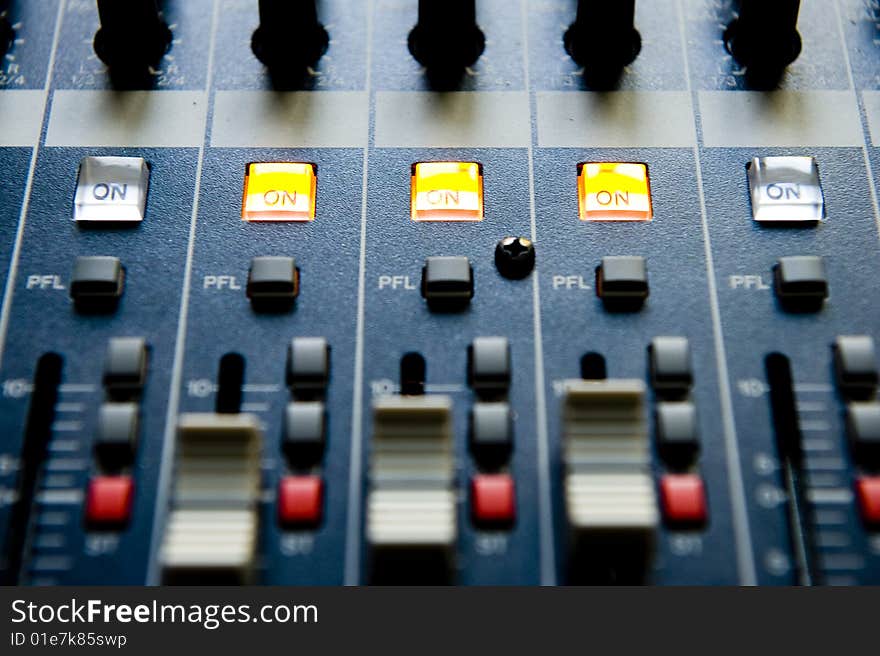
<point x="447" y="281"/>
<point x="273" y="280"/>
<point x="97" y="280"/>
<point x="491" y="433"/>
<point x="489" y="365"/>
<point x="671" y="370"/>
<point x="118" y="425"/>
<point x="308" y="365"/>
<point x="801" y="282"/>
<point x="863" y="426"/>
<point x="677" y="432"/>
<point x="125" y="368"/>
<point x="622" y="282"/>
<point x="305" y="429"/>
<point x="855" y="360"/>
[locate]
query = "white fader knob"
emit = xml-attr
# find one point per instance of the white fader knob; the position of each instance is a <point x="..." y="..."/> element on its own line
<point x="609" y="490"/>
<point x="213" y="523"/>
<point x="411" y="505"/>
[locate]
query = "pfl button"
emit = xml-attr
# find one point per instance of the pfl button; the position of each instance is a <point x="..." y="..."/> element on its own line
<point x="447" y="282"/>
<point x="97" y="282"/>
<point x="622" y="282"/>
<point x="273" y="282"/>
<point x="801" y="283"/>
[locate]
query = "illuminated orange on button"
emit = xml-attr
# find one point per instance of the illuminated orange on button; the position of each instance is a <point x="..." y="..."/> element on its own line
<point x="614" y="192"/>
<point x="280" y="192"/>
<point x="447" y="191"/>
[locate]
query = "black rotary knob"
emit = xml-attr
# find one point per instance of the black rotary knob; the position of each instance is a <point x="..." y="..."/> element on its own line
<point x="603" y="38"/>
<point x="764" y="38"/>
<point x="447" y="38"/>
<point x="133" y="36"/>
<point x="290" y="37"/>
<point x="7" y="34"/>
<point x="515" y="257"/>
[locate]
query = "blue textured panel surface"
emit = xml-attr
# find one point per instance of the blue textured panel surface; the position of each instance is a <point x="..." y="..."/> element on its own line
<point x="702" y="236"/>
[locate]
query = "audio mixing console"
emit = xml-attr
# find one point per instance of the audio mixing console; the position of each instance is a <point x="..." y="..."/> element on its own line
<point x="527" y="292"/>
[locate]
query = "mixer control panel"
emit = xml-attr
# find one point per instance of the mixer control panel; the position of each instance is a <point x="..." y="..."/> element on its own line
<point x="469" y="292"/>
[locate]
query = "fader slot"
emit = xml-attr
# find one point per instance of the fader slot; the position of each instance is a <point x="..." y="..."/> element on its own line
<point x="412" y="374"/>
<point x="230" y="380"/>
<point x="593" y="366"/>
<point x="38" y="434"/>
<point x="786" y="426"/>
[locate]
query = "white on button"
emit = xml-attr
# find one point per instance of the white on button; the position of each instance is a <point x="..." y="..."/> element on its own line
<point x="112" y="189"/>
<point x="786" y="189"/>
